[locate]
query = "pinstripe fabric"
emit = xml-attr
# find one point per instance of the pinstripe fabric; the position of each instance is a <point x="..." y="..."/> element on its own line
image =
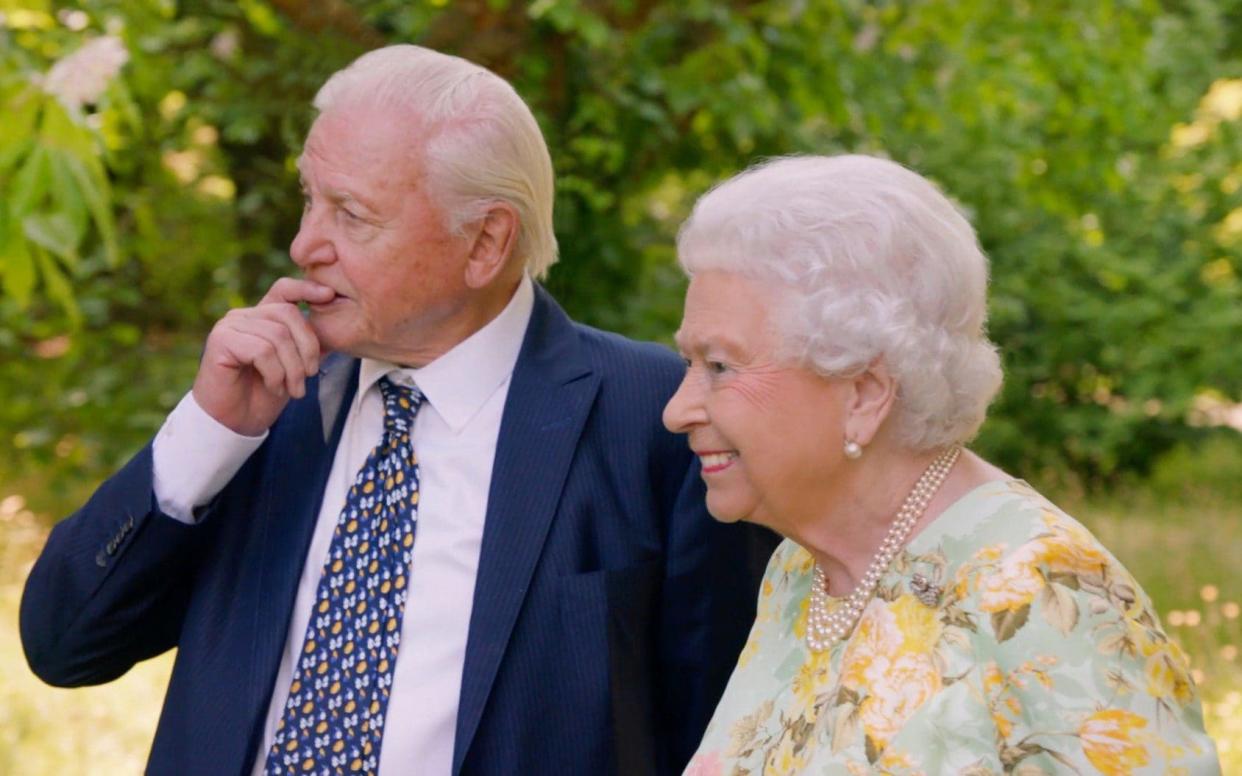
<point x="608" y="610"/>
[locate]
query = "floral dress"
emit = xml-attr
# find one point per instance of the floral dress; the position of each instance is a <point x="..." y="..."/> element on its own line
<point x="1029" y="650"/>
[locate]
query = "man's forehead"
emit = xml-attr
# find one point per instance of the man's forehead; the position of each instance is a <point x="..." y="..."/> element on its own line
<point x="350" y="153"/>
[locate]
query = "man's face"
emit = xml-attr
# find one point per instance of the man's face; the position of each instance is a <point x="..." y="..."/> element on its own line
<point x="371" y="232"/>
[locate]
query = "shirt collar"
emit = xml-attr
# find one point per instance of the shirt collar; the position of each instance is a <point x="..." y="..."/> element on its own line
<point x="458" y="383"/>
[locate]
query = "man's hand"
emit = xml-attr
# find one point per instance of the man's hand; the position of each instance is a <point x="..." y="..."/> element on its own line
<point x="258" y="357"/>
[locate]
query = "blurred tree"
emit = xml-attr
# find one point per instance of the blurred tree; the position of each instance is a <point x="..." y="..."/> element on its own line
<point x="1095" y="146"/>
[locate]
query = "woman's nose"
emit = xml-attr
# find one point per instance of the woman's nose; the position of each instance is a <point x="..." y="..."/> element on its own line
<point x="685" y="409"/>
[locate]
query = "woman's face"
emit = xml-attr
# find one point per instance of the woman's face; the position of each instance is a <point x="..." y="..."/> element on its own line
<point x="768" y="434"/>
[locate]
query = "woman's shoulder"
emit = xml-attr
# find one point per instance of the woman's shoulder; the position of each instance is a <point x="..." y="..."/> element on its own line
<point x="1001" y="517"/>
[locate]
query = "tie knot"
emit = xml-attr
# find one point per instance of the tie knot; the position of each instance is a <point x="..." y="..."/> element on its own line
<point x="401" y="403"/>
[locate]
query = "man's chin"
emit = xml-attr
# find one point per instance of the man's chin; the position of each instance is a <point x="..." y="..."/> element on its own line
<point x="332" y="336"/>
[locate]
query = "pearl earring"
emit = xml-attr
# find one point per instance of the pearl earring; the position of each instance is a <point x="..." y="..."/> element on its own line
<point x="853" y="450"/>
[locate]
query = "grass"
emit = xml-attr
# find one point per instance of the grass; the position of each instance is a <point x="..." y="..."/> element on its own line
<point x="1183" y="555"/>
<point x="1186" y="557"/>
<point x="98" y="730"/>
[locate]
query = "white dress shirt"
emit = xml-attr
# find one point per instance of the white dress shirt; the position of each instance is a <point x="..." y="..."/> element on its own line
<point x="455" y="440"/>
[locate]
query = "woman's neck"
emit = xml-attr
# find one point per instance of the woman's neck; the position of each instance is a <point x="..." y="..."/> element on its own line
<point x="848" y="532"/>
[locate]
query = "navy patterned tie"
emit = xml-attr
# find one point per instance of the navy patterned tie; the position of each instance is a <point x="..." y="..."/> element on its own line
<point x="333" y="721"/>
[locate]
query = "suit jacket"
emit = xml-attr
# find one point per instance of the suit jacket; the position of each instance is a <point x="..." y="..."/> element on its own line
<point x="608" y="611"/>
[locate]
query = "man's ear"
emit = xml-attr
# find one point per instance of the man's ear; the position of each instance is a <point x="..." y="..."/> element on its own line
<point x="873" y="396"/>
<point x="492" y="244"/>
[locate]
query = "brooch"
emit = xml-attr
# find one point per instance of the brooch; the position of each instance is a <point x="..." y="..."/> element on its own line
<point x="923" y="589"/>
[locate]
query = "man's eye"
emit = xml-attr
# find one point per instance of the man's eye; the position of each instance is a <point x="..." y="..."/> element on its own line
<point x="716" y="367"/>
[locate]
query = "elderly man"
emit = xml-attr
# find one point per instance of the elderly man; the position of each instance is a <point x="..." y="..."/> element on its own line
<point x="433" y="526"/>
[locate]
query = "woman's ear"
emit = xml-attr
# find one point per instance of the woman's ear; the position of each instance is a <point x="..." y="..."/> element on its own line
<point x="492" y="245"/>
<point x="873" y="395"/>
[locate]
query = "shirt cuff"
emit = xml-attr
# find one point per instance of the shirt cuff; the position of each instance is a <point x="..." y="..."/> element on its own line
<point x="193" y="457"/>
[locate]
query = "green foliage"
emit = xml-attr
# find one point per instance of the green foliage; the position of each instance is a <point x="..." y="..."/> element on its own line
<point x="1096" y="147"/>
<point x="57" y="189"/>
<point x="1204" y="472"/>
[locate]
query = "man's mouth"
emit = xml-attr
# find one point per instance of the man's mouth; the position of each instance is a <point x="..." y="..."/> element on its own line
<point x="323" y="306"/>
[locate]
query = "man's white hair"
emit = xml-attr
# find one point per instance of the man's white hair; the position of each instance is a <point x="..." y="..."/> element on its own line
<point x="479" y="141"/>
<point x="873" y="262"/>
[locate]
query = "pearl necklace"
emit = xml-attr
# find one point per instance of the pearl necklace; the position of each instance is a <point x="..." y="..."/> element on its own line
<point x="822" y="627"/>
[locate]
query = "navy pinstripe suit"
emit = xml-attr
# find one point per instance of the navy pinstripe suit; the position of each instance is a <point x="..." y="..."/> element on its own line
<point x="608" y="610"/>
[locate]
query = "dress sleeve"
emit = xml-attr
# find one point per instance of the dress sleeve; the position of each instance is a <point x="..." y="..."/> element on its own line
<point x="1074" y="670"/>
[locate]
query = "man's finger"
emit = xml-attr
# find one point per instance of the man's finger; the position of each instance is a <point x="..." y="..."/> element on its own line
<point x="257" y="353"/>
<point x="299" y="329"/>
<point x="276" y="339"/>
<point x="294" y="290"/>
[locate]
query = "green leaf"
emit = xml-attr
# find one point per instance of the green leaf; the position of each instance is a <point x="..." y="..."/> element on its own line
<point x="59" y="130"/>
<point x="1005" y="624"/>
<point x="20" y="111"/>
<point x="16" y="268"/>
<point x="31" y="183"/>
<point x="93" y="186"/>
<point x="53" y="231"/>
<point x="1059" y="607"/>
<point x="67" y="195"/>
<point x="58" y="287"/>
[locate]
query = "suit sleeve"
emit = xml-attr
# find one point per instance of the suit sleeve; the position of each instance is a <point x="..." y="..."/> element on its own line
<point x="112" y="584"/>
<point x="711" y="586"/>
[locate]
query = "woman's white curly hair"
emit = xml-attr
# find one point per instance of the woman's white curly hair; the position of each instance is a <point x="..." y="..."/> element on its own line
<point x="873" y="263"/>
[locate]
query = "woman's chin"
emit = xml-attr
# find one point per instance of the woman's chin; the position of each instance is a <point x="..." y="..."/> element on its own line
<point x="723" y="511"/>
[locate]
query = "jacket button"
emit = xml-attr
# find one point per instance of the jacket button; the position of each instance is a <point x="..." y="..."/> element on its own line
<point x="101" y="560"/>
<point x="111" y="548"/>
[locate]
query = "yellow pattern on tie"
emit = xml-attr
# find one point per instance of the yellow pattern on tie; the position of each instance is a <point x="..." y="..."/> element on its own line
<point x="333" y="722"/>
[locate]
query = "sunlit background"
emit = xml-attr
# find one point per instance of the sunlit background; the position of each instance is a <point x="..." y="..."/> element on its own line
<point x="147" y="185"/>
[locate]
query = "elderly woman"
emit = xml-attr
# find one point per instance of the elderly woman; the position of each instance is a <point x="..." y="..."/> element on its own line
<point x="927" y="612"/>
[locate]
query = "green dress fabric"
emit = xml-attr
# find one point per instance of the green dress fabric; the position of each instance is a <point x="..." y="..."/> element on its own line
<point x="1040" y="654"/>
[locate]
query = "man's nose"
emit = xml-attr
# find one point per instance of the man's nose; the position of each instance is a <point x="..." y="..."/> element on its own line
<point x="685" y="410"/>
<point x="311" y="244"/>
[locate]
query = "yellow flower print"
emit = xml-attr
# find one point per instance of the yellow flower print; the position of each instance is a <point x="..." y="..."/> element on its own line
<point x="877" y="636"/>
<point x="897" y="761"/>
<point x="1167" y="672"/>
<point x="799" y="625"/>
<point x="994" y="684"/>
<point x="1014" y="584"/>
<point x="984" y="557"/>
<point x="1109" y="743"/>
<point x="989" y="554"/>
<point x="919" y="625"/>
<point x="786" y="760"/>
<point x="798" y="561"/>
<point x="1071" y="548"/>
<point x="898" y="689"/>
<point x="813" y="679"/>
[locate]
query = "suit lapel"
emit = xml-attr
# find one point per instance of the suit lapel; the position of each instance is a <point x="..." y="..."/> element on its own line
<point x="550" y="396"/>
<point x="301" y="460"/>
